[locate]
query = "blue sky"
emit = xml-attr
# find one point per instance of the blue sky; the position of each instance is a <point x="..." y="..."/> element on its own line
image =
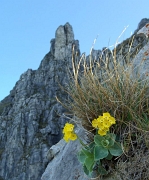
<point x="27" y="26"/>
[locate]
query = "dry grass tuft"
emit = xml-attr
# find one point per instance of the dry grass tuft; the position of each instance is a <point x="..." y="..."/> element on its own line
<point x="108" y="88"/>
<point x="135" y="168"/>
<point x="109" y="85"/>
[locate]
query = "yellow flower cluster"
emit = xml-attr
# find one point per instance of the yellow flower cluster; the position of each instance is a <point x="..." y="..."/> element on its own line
<point x="69" y="132"/>
<point x="103" y="123"/>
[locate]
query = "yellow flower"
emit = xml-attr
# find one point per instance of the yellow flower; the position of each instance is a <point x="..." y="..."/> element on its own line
<point x="102" y="132"/>
<point x="67" y="136"/>
<point x="112" y="120"/>
<point x="68" y="132"/>
<point x="68" y="128"/>
<point x="103" y="123"/>
<point x="73" y="137"/>
<point x="95" y="123"/>
<point x="105" y="129"/>
<point x="100" y="119"/>
<point x="98" y="123"/>
<point x="70" y="136"/>
<point x="106" y="123"/>
<point x="107" y="115"/>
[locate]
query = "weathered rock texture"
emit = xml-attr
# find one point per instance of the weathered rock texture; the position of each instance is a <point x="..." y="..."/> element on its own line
<point x="31" y="120"/>
<point x="141" y="61"/>
<point x="64" y="163"/>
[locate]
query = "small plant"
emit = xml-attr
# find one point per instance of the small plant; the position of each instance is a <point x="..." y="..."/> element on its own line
<point x="103" y="146"/>
<point x="68" y="132"/>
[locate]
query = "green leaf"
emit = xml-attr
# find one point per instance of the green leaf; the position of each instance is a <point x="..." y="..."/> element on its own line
<point x="102" y="171"/>
<point x="86" y="170"/>
<point x="116" y="150"/>
<point x="81" y="157"/>
<point x="89" y="162"/>
<point x="98" y="139"/>
<point x="91" y="145"/>
<point x="105" y="143"/>
<point x="111" y="138"/>
<point x="109" y="157"/>
<point x="100" y="152"/>
<point x="87" y="153"/>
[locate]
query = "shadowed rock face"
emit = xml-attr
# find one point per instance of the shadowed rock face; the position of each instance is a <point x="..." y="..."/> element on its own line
<point x="30" y="117"/>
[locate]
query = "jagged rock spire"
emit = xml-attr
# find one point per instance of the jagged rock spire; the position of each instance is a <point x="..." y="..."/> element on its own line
<point x="61" y="46"/>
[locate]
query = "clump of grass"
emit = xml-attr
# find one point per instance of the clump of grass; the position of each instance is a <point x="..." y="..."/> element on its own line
<point x="109" y="88"/>
<point x="110" y="85"/>
<point x="136" y="168"/>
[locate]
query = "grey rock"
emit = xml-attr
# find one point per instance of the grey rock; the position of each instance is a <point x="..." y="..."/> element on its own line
<point x="142" y="24"/>
<point x="64" y="163"/>
<point x="141" y="61"/>
<point x="30" y="117"/>
<point x="63" y="41"/>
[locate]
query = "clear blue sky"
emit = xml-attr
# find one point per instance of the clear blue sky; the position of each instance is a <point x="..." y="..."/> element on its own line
<point x="27" y="26"/>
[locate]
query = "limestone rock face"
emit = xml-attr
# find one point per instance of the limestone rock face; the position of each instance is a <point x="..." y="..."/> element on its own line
<point x="64" y="163"/>
<point x="142" y="69"/>
<point x="141" y="61"/>
<point x="63" y="41"/>
<point x="31" y="119"/>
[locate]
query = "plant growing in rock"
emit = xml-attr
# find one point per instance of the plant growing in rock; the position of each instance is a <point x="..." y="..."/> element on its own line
<point x="68" y="132"/>
<point x="109" y="84"/>
<point x="103" y="146"/>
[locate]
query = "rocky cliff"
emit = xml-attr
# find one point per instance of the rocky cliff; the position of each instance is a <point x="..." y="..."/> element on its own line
<point x="30" y="117"/>
<point x="31" y="120"/>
